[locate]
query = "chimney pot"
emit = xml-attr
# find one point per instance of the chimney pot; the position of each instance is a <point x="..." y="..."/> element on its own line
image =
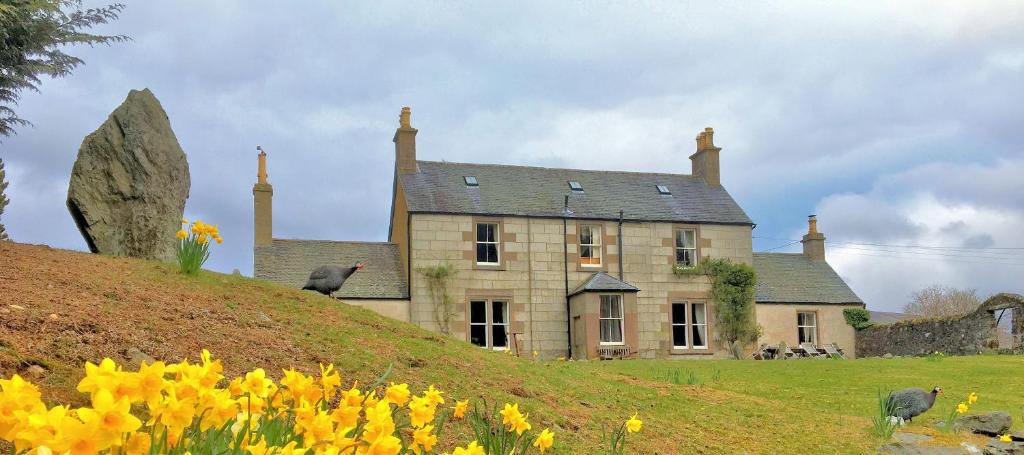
<point x="813" y="241"/>
<point x="405" y="144"/>
<point x="704" y="162"/>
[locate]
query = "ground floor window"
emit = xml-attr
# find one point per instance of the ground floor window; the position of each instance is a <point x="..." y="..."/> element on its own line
<point x="807" y="327"/>
<point x="488" y="324"/>
<point x="689" y="325"/>
<point x="611" y="320"/>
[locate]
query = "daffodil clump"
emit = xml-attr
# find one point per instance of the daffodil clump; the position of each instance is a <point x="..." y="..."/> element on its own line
<point x="187" y="408"/>
<point x="193" y="247"/>
<point x="961" y="408"/>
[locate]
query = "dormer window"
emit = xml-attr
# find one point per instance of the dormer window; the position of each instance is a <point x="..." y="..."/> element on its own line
<point x="471" y="181"/>
<point x="575" y="186"/>
<point x="662" y="189"/>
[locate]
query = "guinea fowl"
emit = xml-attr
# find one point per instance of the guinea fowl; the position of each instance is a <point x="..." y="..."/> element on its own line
<point x="909" y="403"/>
<point x="327" y="279"/>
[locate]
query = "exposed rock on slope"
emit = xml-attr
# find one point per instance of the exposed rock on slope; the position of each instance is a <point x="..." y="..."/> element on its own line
<point x="130" y="181"/>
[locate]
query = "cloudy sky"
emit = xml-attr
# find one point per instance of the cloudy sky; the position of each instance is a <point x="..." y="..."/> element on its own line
<point x="899" y="125"/>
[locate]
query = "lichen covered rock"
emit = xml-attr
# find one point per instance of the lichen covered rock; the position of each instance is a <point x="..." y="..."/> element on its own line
<point x="130" y="182"/>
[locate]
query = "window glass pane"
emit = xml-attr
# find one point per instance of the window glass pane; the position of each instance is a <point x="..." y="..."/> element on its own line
<point x="679" y="335"/>
<point x="611" y="331"/>
<point x="679" y="313"/>
<point x="481" y="232"/>
<point x="498" y="312"/>
<point x="616" y="328"/>
<point x="586" y="235"/>
<point x="492" y="252"/>
<point x="587" y="251"/>
<point x="606" y="307"/>
<point x="477" y="312"/>
<point x="699" y="332"/>
<point x="616" y="306"/>
<point x="688" y="238"/>
<point x="680" y="243"/>
<point x="698" y="314"/>
<point x="478" y="335"/>
<point x="498" y="336"/>
<point x="481" y="252"/>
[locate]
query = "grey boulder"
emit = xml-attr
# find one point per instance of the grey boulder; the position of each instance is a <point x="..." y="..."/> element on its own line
<point x="990" y="423"/>
<point x="130" y="182"/>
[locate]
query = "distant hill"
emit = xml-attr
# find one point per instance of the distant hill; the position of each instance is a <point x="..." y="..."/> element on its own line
<point x="884" y="317"/>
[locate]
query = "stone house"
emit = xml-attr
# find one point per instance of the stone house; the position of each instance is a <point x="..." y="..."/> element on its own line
<point x="564" y="262"/>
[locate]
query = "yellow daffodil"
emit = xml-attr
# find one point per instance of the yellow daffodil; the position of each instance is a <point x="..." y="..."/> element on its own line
<point x="962" y="408"/>
<point x="256" y="383"/>
<point x="433" y="395"/>
<point x="460" y="409"/>
<point x="421" y="412"/>
<point x="472" y="449"/>
<point x="424" y="439"/>
<point x="181" y="234"/>
<point x="183" y="396"/>
<point x="112" y="417"/>
<point x="397" y="394"/>
<point x="972" y="398"/>
<point x="634" y="424"/>
<point x="1005" y="438"/>
<point x="544" y="440"/>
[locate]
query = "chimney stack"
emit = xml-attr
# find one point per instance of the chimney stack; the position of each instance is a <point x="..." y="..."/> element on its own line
<point x="704" y="161"/>
<point x="262" y="199"/>
<point x="814" y="241"/>
<point x="405" y="144"/>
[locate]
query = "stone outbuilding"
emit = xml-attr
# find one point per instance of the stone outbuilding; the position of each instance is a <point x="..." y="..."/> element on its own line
<point x="800" y="298"/>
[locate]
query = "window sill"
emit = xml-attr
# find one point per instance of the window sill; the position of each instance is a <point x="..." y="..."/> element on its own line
<point x="487" y="266"/>
<point x="690" y="351"/>
<point x="611" y="344"/>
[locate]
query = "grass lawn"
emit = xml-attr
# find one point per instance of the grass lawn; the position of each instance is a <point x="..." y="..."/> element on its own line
<point x="60" y="308"/>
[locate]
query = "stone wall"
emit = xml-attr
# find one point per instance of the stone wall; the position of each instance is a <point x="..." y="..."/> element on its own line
<point x="531" y="276"/>
<point x="971" y="334"/>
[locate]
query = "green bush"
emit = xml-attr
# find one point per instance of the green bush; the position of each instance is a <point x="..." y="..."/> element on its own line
<point x="859" y="318"/>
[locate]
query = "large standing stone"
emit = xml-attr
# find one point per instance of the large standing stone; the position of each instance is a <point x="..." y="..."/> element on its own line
<point x="130" y="182"/>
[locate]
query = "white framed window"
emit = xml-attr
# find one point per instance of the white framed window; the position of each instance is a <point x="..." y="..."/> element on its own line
<point x="488" y="324"/>
<point x="679" y="326"/>
<point x="686" y="247"/>
<point x="699" y="326"/>
<point x="611" y="320"/>
<point x="487" y="248"/>
<point x="807" y="327"/>
<point x="590" y="246"/>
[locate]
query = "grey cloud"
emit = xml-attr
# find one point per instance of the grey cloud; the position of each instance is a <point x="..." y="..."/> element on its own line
<point x="808" y="101"/>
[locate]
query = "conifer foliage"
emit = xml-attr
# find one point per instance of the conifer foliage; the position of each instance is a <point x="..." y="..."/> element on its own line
<point x="32" y="34"/>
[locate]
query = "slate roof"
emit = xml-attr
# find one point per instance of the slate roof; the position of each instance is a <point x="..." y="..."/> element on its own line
<point x="603" y="282"/>
<point x="289" y="262"/>
<point x="439" y="187"/>
<point x="795" y="278"/>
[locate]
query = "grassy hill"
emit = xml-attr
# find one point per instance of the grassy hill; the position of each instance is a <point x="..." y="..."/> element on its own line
<point x="60" y="308"/>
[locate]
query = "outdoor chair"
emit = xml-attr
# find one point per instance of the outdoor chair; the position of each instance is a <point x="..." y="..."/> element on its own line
<point x="811" y="350"/>
<point x="832" y="350"/>
<point x="761" y="353"/>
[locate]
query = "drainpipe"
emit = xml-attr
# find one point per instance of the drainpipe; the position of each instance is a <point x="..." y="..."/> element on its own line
<point x="620" y="246"/>
<point x="565" y="266"/>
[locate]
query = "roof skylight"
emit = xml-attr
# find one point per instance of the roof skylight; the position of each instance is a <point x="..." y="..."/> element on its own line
<point x="663" y="189"/>
<point x="575" y="186"/>
<point x="471" y="181"/>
